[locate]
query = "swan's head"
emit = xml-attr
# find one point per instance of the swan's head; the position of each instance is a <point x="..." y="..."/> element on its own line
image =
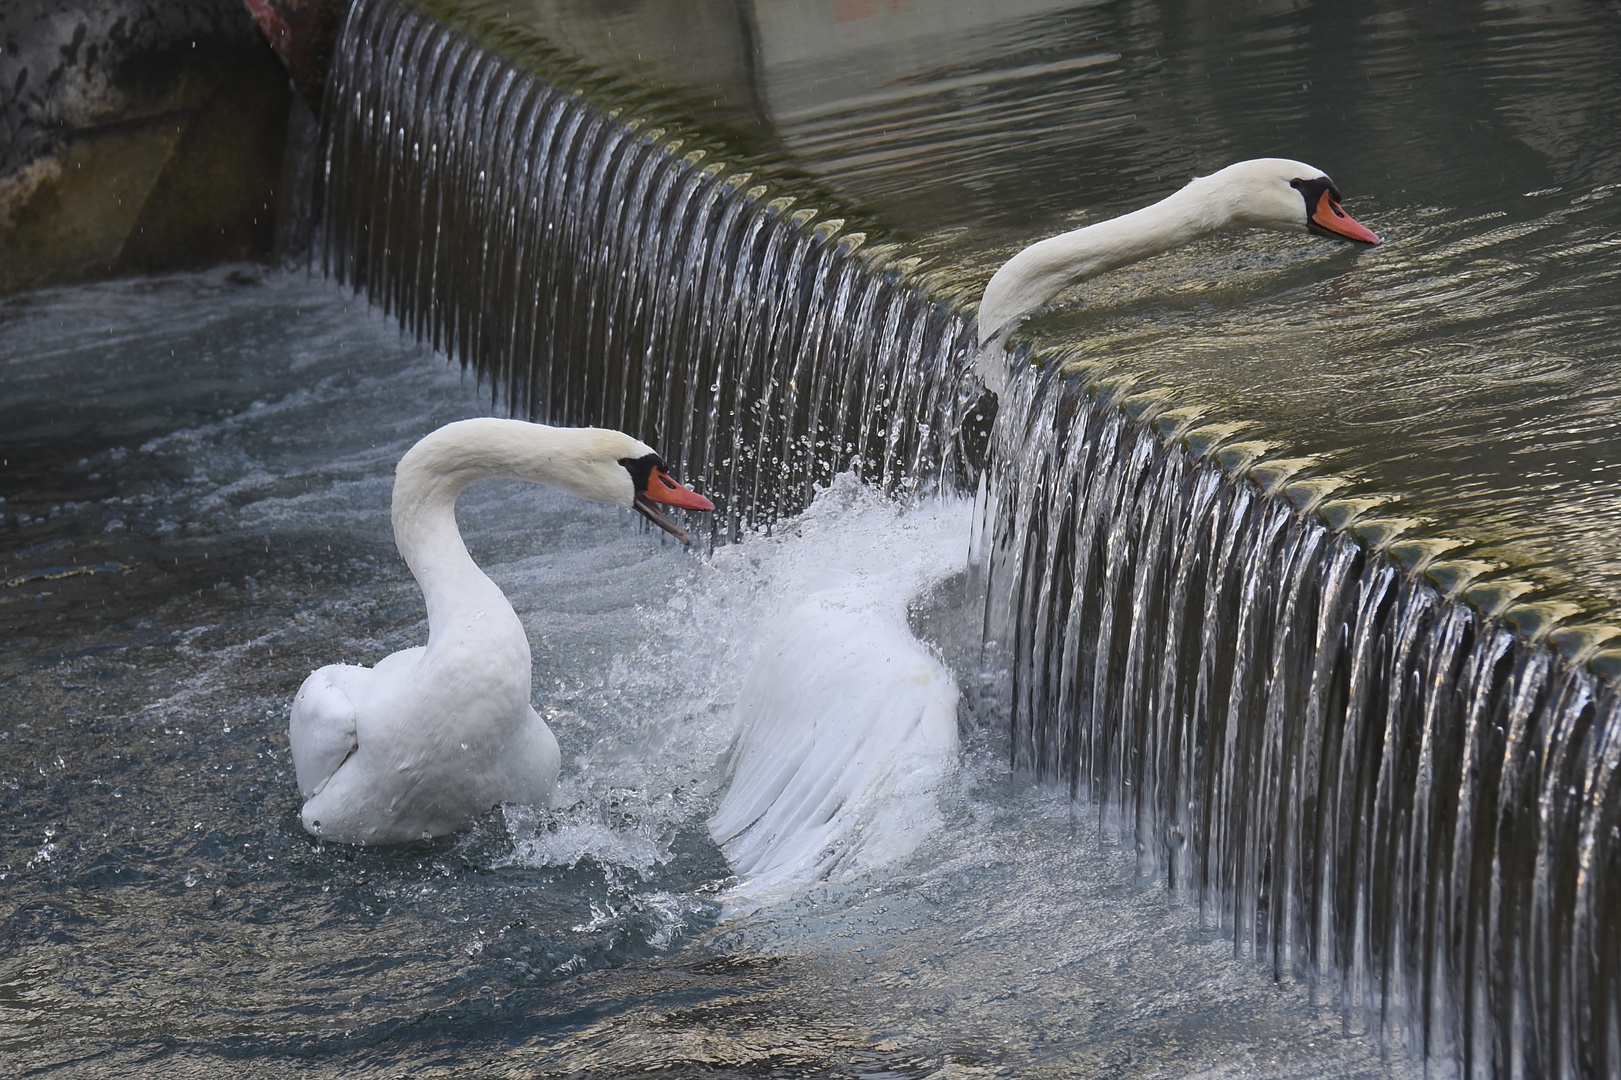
<point x="610" y="466"/>
<point x="1276" y="193"/>
<point x="1268" y="193"/>
<point x="652" y="485"/>
<point x="591" y="463"/>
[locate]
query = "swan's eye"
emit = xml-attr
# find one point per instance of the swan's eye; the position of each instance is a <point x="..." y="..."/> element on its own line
<point x="1314" y="191"/>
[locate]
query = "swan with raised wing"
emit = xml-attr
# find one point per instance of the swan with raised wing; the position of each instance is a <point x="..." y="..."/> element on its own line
<point x="846" y="723"/>
<point x="1266" y="193"/>
<point x="429" y="738"/>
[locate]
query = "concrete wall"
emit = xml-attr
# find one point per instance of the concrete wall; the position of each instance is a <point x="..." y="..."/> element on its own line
<point x="135" y="136"/>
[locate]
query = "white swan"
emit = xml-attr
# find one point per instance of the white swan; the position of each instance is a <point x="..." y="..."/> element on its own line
<point x="431" y="737"/>
<point x="846" y="724"/>
<point x="1267" y="193"/>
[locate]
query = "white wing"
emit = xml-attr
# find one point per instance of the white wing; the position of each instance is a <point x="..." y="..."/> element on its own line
<point x="847" y="727"/>
<point x="322" y="726"/>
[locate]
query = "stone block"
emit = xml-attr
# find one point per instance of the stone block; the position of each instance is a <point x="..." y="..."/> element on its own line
<point x="135" y="136"/>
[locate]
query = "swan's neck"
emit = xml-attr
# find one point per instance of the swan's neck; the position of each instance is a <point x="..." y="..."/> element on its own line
<point x="426" y="486"/>
<point x="585" y="462"/>
<point x="1044" y="269"/>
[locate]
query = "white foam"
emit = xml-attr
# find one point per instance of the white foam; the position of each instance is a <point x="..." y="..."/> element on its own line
<point x="566" y="838"/>
<point x="784" y="665"/>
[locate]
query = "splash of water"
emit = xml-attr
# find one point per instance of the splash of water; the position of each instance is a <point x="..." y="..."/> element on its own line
<point x="846" y="726"/>
<point x="1370" y="787"/>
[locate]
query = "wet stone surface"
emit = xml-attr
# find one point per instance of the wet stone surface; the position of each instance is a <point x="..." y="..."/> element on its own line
<point x="135" y="136"/>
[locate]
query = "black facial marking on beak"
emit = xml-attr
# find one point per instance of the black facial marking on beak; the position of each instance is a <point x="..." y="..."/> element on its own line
<point x="1325" y="217"/>
<point x="1313" y="191"/>
<point x="653" y="485"/>
<point x="641" y="469"/>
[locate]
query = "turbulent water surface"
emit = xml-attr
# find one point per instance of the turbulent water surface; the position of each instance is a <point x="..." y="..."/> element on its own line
<point x="212" y="524"/>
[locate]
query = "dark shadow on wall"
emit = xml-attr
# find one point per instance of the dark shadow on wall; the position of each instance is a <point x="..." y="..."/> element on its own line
<point x="136" y="136"/>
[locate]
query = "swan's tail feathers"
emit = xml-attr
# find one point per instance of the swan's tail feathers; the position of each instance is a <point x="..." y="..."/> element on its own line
<point x="322" y="727"/>
<point x="846" y="731"/>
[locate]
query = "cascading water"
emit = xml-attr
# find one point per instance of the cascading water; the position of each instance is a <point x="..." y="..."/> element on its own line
<point x="599" y="272"/>
<point x="1369" y="785"/>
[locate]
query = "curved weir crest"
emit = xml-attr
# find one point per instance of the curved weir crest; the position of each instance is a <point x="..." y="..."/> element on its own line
<point x="1369" y="786"/>
<point x="594" y="272"/>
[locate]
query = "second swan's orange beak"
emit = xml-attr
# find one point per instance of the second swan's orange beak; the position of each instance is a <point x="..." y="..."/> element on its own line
<point x="661" y="487"/>
<point x="1329" y="220"/>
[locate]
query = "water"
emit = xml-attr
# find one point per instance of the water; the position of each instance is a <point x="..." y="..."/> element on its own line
<point x="162" y="909"/>
<point x="161" y="899"/>
<point x="846" y="726"/>
<point x="1179" y="644"/>
<point x="1291" y="738"/>
<point x="1464" y="371"/>
<point x="1372" y="789"/>
<point x="1295" y="702"/>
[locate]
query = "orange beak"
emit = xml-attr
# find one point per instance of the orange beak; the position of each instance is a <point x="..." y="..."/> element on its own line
<point x="662" y="488"/>
<point x="1329" y="220"/>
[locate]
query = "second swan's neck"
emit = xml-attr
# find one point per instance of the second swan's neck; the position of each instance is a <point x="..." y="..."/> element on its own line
<point x="1044" y="269"/>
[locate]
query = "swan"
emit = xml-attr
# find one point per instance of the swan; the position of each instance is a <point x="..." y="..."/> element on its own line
<point x="845" y="728"/>
<point x="1267" y="193"/>
<point x="429" y="738"/>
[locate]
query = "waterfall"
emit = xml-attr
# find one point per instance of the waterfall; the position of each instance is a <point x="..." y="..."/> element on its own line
<point x="1369" y="786"/>
<point x="600" y="269"/>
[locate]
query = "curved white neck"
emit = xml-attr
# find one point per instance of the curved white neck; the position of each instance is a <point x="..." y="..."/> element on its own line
<point x="426" y="534"/>
<point x="1044" y="269"/>
<point x="584" y="462"/>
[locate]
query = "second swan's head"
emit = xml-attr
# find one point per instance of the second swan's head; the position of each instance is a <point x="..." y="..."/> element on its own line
<point x="1277" y="193"/>
<point x="1268" y="193"/>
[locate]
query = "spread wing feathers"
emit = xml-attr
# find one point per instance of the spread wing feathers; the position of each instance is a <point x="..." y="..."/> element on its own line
<point x="322" y="726"/>
<point x="846" y="729"/>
